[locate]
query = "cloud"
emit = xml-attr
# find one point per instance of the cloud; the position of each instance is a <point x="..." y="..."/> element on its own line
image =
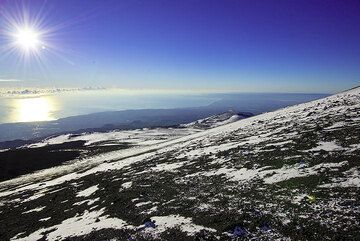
<point x="9" y="80"/>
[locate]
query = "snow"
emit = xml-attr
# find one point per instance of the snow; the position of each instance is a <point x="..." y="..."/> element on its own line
<point x="268" y="175"/>
<point x="293" y="171"/>
<point x="92" y="201"/>
<point x="297" y="199"/>
<point x="35" y="196"/>
<point x="352" y="180"/>
<point x="336" y="125"/>
<point x="353" y="148"/>
<point x="279" y="143"/>
<point x="80" y="203"/>
<point x="171" y="221"/>
<point x="126" y="185"/>
<point x="44" y="219"/>
<point x="78" y="225"/>
<point x="206" y="150"/>
<point x="144" y="152"/>
<point x="326" y="146"/>
<point x="168" y="167"/>
<point x="142" y="203"/>
<point x="163" y="151"/>
<point x="214" y="121"/>
<point x="93" y="220"/>
<point x="153" y="209"/>
<point x="235" y="175"/>
<point x="135" y="137"/>
<point x="35" y="210"/>
<point x="88" y="191"/>
<point x="134" y="155"/>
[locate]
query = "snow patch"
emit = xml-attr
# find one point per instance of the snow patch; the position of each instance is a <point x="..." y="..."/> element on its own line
<point x="185" y="224"/>
<point x="35" y="210"/>
<point x="88" y="191"/>
<point x="352" y="180"/>
<point x="44" y="219"/>
<point x="76" y="226"/>
<point x="327" y="146"/>
<point x="168" y="167"/>
<point x="126" y="185"/>
<point x="142" y="203"/>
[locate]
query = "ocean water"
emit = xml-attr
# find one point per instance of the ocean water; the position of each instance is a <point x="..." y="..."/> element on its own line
<point x="45" y="107"/>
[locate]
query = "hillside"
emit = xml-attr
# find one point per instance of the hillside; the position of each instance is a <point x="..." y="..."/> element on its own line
<point x="58" y="149"/>
<point x="216" y="120"/>
<point x="292" y="174"/>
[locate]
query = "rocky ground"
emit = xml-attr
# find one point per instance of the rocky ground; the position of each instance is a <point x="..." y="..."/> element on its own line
<point x="292" y="174"/>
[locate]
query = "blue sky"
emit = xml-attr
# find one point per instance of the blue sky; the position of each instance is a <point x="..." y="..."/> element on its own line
<point x="262" y="46"/>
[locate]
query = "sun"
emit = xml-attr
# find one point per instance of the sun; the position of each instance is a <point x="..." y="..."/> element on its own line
<point x="26" y="35"/>
<point x="27" y="39"/>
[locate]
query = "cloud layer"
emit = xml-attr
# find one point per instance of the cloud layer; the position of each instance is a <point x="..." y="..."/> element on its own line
<point x="9" y="80"/>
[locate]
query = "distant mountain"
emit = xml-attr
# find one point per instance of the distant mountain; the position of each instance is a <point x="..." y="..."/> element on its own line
<point x="217" y="120"/>
<point x="291" y="174"/>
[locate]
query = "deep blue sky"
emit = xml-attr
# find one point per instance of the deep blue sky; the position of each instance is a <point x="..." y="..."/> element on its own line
<point x="269" y="45"/>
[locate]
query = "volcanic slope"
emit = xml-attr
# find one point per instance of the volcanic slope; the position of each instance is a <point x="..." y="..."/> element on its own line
<point x="292" y="174"/>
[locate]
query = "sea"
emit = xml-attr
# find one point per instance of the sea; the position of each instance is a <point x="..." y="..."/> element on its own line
<point x="53" y="106"/>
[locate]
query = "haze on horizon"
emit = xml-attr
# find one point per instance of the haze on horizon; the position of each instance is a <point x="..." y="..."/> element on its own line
<point x="259" y="46"/>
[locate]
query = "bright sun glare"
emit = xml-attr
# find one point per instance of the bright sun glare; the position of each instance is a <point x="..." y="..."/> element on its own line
<point x="34" y="109"/>
<point x="27" y="39"/>
<point x="26" y="35"/>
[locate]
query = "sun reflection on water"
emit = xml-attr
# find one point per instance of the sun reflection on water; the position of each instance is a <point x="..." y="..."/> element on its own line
<point x="34" y="109"/>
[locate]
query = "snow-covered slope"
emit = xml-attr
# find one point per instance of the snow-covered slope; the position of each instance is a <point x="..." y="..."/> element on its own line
<point x="143" y="136"/>
<point x="292" y="174"/>
<point x="216" y="120"/>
